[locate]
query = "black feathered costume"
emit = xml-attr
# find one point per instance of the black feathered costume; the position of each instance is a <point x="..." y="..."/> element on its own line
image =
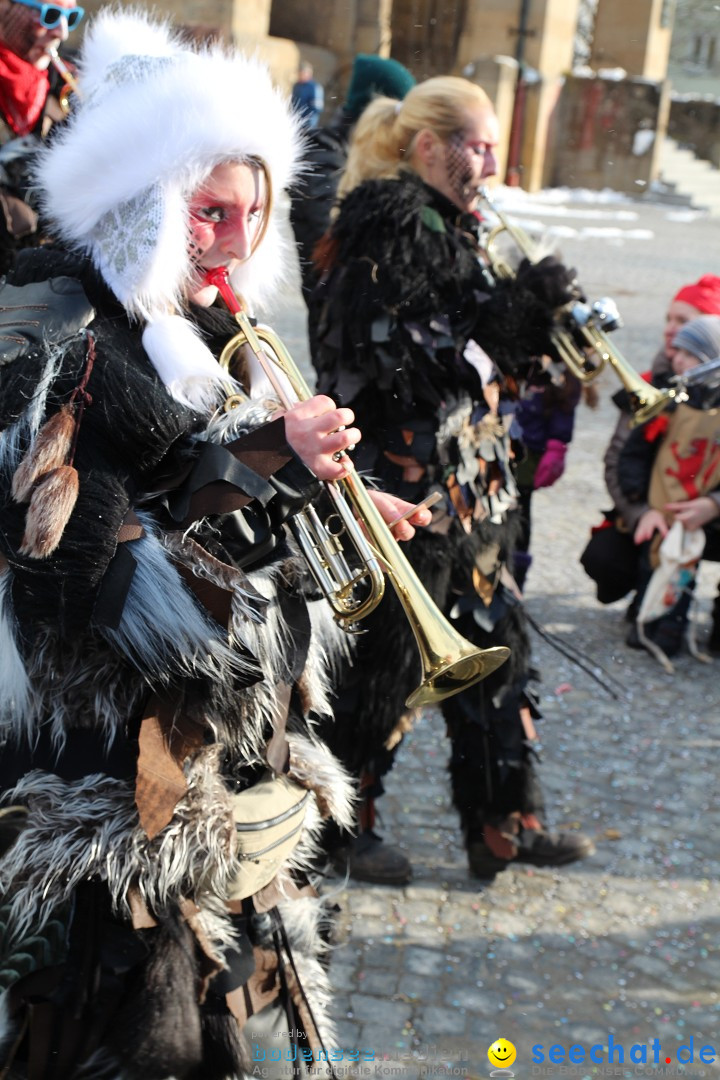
<point x="159" y="666"/>
<point x="404" y="319"/>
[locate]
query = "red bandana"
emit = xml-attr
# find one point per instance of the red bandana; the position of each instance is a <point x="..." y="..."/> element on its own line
<point x="23" y="90"/>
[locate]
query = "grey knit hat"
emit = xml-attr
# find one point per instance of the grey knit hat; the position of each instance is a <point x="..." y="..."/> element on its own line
<point x="700" y="337"/>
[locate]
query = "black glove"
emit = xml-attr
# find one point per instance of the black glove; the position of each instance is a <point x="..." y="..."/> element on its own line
<point x="551" y="282"/>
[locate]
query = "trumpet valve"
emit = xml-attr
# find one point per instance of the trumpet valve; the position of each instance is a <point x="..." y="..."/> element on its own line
<point x="606" y="312"/>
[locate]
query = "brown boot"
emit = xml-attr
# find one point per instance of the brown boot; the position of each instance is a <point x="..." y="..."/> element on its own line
<point x="523" y="839"/>
<point x="495" y="849"/>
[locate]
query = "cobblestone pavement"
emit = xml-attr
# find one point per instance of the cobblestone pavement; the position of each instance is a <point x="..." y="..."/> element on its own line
<point x="622" y="947"/>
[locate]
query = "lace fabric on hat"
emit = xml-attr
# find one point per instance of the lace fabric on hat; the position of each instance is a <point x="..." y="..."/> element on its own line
<point x="125" y="240"/>
<point x="130" y="68"/>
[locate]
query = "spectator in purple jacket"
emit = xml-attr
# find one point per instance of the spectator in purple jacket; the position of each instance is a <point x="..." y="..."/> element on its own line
<point x="546" y="416"/>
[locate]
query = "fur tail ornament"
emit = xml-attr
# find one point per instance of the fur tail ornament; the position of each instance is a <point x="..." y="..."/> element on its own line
<point x="53" y="501"/>
<point x="49" y="451"/>
<point x="46" y="477"/>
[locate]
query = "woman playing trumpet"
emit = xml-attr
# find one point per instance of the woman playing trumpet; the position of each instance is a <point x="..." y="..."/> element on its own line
<point x="159" y="661"/>
<point x="427" y="349"/>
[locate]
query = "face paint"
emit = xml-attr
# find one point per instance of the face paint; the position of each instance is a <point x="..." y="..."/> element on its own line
<point x="226" y="216"/>
<point x="467" y="159"/>
<point x="458" y="167"/>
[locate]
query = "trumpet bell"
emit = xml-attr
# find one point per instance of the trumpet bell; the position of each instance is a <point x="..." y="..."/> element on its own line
<point x="445" y="676"/>
<point x="648" y="403"/>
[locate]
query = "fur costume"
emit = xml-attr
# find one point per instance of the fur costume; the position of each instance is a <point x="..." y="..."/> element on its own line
<point x="160" y="660"/>
<point x="402" y="319"/>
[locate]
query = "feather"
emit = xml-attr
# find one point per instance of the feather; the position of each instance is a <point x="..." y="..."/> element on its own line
<point x="49" y="451"/>
<point x="52" y="503"/>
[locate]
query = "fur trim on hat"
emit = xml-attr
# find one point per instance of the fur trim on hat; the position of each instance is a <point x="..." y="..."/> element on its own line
<point x="183" y="362"/>
<point x="155" y="119"/>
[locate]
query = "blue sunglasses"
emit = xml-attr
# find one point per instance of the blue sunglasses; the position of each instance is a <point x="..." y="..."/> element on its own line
<point x="51" y="14"/>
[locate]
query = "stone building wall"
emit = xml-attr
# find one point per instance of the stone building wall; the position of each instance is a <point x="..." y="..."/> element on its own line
<point x="694" y="66"/>
<point x="211" y="13"/>
<point x="561" y="133"/>
<point x="695" y="123"/>
<point x="608" y="132"/>
<point x="634" y="36"/>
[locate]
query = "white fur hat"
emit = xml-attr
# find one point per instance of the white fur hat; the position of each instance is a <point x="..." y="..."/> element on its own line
<point x="154" y="119"/>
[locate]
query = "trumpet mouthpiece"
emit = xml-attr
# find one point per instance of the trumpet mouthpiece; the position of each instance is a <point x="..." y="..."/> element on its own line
<point x="59" y="64"/>
<point x="217" y="276"/>
<point x="220" y="278"/>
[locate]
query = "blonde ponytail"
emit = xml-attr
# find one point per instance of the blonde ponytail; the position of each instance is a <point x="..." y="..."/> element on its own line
<point x="384" y="137"/>
<point x="375" y="149"/>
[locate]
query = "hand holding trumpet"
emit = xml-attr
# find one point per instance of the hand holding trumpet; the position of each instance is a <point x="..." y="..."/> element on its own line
<point x="318" y="430"/>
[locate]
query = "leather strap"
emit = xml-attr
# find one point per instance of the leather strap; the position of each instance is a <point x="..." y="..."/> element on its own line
<point x="457" y="498"/>
<point x="226" y="478"/>
<point x="131" y="528"/>
<point x="277" y="752"/>
<point x="261" y="989"/>
<point x="166" y="739"/>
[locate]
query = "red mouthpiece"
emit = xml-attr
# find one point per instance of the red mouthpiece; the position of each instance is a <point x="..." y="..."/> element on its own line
<point x="218" y="276"/>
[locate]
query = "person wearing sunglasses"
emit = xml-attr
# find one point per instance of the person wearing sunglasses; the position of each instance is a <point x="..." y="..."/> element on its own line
<point x="30" y="32"/>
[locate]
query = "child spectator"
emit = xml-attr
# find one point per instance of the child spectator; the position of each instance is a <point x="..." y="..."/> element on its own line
<point x="670" y="467"/>
<point x="700" y="298"/>
<point x="611" y="557"/>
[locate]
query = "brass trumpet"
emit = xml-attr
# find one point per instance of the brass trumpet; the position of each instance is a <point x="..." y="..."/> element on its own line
<point x="71" y="83"/>
<point x="580" y="333"/>
<point x="450" y="663"/>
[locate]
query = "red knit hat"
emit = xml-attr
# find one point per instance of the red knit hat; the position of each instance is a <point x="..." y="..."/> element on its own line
<point x="704" y="294"/>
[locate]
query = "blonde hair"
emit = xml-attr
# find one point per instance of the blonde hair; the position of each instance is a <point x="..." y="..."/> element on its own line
<point x="384" y="137"/>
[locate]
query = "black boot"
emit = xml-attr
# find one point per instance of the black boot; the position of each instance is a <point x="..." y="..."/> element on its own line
<point x="538" y="847"/>
<point x="367" y="858"/>
<point x="714" y="639"/>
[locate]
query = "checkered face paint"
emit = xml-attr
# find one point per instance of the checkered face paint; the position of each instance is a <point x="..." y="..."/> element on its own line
<point x="469" y="159"/>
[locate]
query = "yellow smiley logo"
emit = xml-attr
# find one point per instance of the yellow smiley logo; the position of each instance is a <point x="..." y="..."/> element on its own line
<point x="501" y="1053"/>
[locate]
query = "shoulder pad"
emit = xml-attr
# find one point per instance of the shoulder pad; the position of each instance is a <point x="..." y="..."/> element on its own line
<point x="39" y="313"/>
